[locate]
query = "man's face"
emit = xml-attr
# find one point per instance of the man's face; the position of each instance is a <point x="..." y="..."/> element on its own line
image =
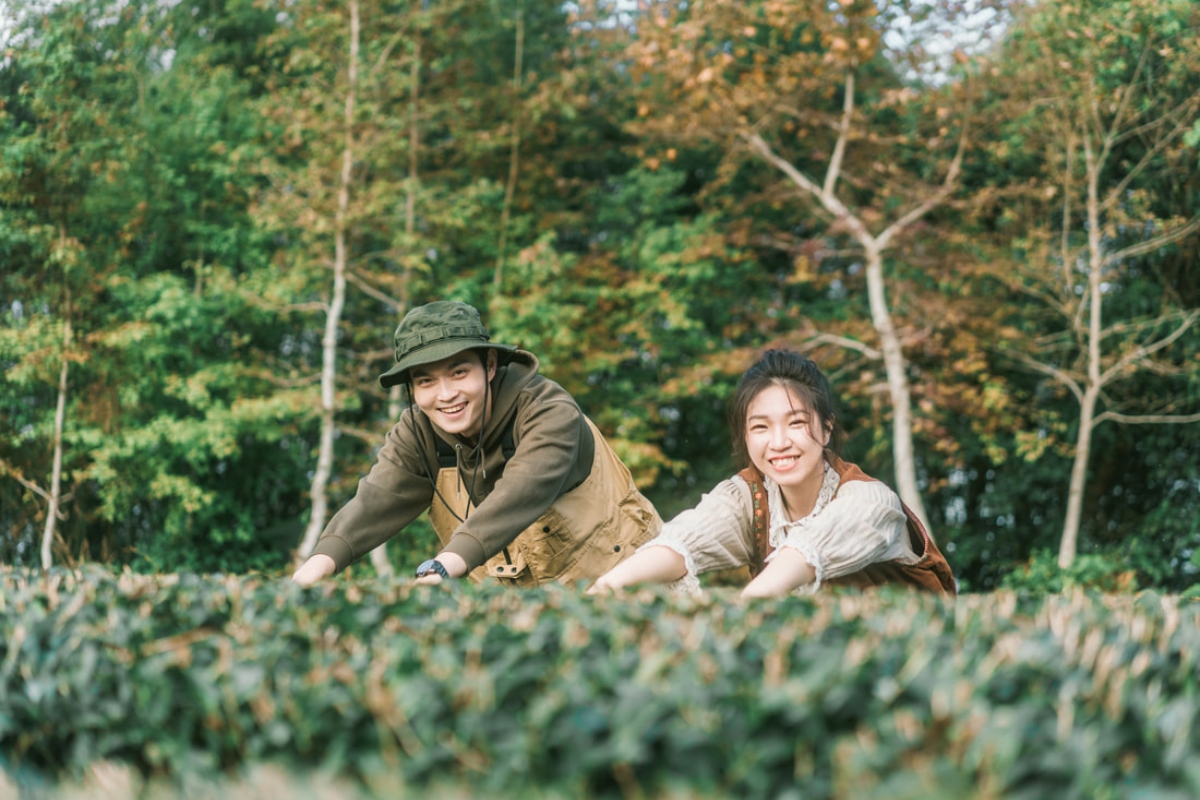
<point x="451" y="391"/>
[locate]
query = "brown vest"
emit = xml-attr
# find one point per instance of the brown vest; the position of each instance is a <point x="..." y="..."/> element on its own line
<point x="931" y="573"/>
<point x="587" y="532"/>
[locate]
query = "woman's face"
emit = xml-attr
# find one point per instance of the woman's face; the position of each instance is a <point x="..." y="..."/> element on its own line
<point x="785" y="439"/>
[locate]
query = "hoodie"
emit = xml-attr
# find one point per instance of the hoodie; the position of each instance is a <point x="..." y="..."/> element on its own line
<point x="554" y="453"/>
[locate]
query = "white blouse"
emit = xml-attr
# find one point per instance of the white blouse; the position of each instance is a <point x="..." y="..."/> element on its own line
<point x="849" y="528"/>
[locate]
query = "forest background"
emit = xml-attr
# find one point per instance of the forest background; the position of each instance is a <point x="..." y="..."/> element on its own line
<point x="980" y="218"/>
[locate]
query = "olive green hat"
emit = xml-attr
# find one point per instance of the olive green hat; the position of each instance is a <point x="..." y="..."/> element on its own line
<point x="435" y="331"/>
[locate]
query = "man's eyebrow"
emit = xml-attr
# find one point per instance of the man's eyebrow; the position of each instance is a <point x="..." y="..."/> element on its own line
<point x="421" y="373"/>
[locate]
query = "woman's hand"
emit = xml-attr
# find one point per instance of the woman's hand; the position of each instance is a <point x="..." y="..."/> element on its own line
<point x="604" y="585"/>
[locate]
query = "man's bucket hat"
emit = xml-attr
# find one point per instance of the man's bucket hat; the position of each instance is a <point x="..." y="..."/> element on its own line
<point x="435" y="331"/>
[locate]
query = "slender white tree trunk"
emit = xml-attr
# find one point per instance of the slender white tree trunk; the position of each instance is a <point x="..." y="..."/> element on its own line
<point x="513" y="158"/>
<point x="1083" y="446"/>
<point x="320" y="483"/>
<point x="903" y="458"/>
<point x="1091" y="389"/>
<point x="410" y="205"/>
<point x="60" y="414"/>
<point x="874" y="246"/>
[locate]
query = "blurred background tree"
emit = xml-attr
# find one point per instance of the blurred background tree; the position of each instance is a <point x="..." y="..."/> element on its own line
<point x="645" y="198"/>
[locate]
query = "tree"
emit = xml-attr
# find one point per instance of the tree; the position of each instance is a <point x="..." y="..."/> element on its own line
<point x="125" y="132"/>
<point x="333" y="313"/>
<point x="54" y="144"/>
<point x="804" y="88"/>
<point x="1106" y="95"/>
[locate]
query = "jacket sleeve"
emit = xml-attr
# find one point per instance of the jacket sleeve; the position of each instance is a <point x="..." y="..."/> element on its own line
<point x="392" y="494"/>
<point x="549" y="442"/>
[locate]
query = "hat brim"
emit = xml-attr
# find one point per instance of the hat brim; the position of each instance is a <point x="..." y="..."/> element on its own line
<point x="437" y="351"/>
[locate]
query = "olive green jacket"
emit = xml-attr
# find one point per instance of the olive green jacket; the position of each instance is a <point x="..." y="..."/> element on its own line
<point x="561" y="507"/>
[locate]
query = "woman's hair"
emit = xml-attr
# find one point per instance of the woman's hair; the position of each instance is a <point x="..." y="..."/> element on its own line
<point x="797" y="374"/>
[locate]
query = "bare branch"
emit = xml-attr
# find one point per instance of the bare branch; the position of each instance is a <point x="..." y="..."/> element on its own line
<point x="1047" y="296"/>
<point x="1181" y="127"/>
<point x="839" y="149"/>
<point x="759" y="146"/>
<point x="842" y="341"/>
<point x="371" y="291"/>
<point x="362" y="434"/>
<point x="1064" y="244"/>
<point x="1135" y="326"/>
<point x="1149" y="349"/>
<point x="387" y="51"/>
<point x="1154" y="243"/>
<point x="290" y="383"/>
<point x="1111" y="137"/>
<point x="1181" y="110"/>
<point x="255" y="299"/>
<point x="6" y="469"/>
<point x="828" y="201"/>
<point x="948" y="186"/>
<point x="1146" y="419"/>
<point x="1057" y="374"/>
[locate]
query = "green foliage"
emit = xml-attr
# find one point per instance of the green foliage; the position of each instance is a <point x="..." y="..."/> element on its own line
<point x="171" y="169"/>
<point x="1092" y="571"/>
<point x="878" y="695"/>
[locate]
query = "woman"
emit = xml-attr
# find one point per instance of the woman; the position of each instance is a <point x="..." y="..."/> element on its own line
<point x="797" y="515"/>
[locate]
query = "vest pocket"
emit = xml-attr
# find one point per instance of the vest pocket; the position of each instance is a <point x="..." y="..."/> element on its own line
<point x="547" y="545"/>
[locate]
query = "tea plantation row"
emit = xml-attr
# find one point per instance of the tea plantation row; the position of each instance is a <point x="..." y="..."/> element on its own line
<point x="512" y="692"/>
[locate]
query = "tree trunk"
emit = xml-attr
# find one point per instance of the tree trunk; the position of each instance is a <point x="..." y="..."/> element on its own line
<point x="1091" y="390"/>
<point x="60" y="414"/>
<point x="410" y="207"/>
<point x="1083" y="446"/>
<point x="319" y="491"/>
<point x="903" y="459"/>
<point x="513" y="158"/>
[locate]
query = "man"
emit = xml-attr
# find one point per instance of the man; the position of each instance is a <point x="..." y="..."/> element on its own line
<point x="519" y="484"/>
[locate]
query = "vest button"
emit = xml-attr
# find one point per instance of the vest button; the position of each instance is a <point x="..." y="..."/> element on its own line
<point x="616" y="548"/>
<point x="545" y="529"/>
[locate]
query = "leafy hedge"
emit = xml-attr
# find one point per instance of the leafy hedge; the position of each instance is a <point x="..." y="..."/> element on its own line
<point x="882" y="695"/>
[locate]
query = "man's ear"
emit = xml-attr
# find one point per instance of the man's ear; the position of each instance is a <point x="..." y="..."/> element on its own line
<point x="491" y="363"/>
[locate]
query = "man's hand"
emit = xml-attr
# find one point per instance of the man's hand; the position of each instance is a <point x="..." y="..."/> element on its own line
<point x="455" y="568"/>
<point x="316" y="568"/>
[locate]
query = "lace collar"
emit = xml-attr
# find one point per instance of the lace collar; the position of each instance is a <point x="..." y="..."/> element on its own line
<point x="779" y="519"/>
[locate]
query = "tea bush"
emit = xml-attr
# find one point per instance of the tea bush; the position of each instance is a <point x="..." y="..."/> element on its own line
<point x="511" y="692"/>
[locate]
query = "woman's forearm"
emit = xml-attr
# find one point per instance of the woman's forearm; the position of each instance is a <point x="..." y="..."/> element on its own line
<point x="788" y="569"/>
<point x="657" y="564"/>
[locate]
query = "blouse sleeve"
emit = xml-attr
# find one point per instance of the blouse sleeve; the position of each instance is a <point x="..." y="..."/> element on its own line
<point x="862" y="525"/>
<point x="716" y="534"/>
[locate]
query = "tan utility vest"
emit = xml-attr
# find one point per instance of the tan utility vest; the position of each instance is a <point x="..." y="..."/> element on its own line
<point x="587" y="531"/>
<point x="931" y="573"/>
